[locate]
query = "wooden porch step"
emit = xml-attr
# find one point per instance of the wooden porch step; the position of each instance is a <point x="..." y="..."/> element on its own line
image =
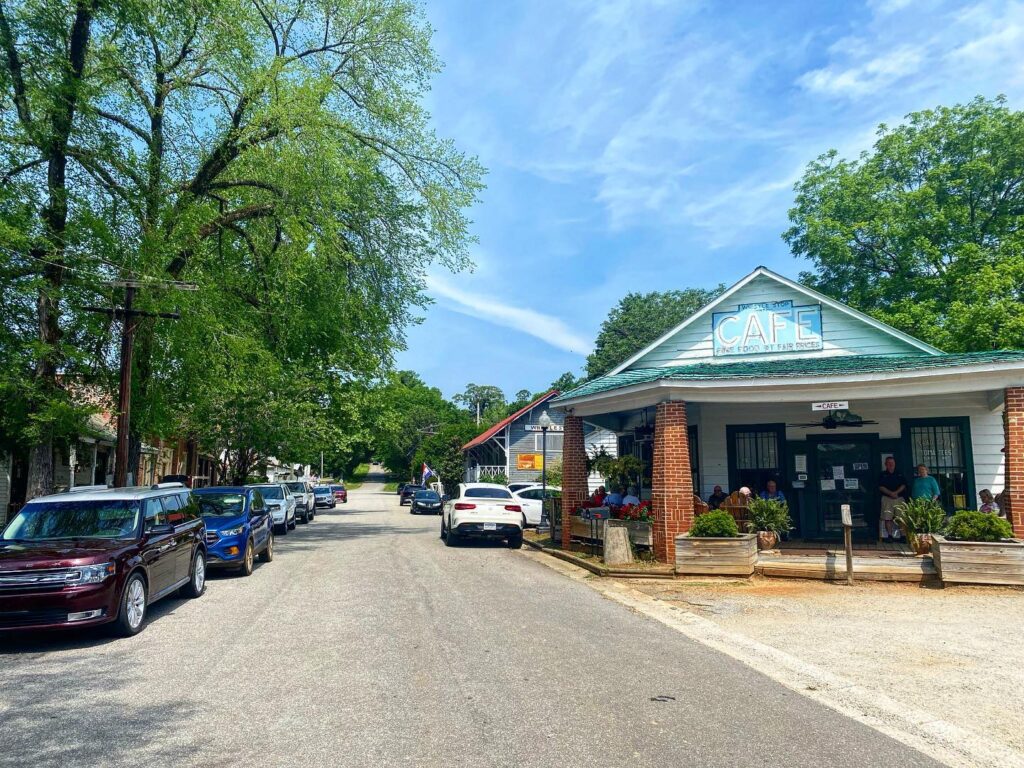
<point x="830" y="568"/>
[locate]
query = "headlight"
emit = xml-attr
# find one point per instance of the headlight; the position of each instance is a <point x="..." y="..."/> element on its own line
<point x="232" y="531"/>
<point x="91" y="574"/>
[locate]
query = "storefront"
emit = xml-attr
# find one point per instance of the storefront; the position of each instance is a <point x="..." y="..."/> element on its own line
<point x="774" y="381"/>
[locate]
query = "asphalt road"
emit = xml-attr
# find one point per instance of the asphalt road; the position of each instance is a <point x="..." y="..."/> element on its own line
<point x="367" y="642"/>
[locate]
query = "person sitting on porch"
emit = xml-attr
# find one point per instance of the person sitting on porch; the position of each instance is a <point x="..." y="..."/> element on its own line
<point x="925" y="486"/>
<point x="717" y="497"/>
<point x="630" y="497"/>
<point x="599" y="496"/>
<point x="745" y="495"/>
<point x="988" y="503"/>
<point x="772" y="492"/>
<point x="614" y="499"/>
<point x="892" y="485"/>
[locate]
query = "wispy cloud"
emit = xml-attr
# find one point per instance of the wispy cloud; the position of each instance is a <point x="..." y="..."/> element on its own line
<point x="487" y="306"/>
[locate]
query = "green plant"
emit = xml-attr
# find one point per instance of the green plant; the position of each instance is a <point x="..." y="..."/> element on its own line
<point x="768" y="515"/>
<point x="917" y="517"/>
<point x="498" y="478"/>
<point x="716" y="524"/>
<point x="623" y="471"/>
<point x="554" y="473"/>
<point x="977" y="526"/>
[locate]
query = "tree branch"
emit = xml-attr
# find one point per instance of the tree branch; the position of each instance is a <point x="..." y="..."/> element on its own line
<point x="14" y="67"/>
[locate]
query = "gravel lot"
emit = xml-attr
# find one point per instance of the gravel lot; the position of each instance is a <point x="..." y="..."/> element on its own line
<point x="955" y="653"/>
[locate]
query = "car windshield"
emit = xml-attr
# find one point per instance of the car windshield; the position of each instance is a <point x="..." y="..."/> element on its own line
<point x="413" y="488"/>
<point x="487" y="493"/>
<point x="321" y="491"/>
<point x="271" y="491"/>
<point x="297" y="487"/>
<point x="427" y="496"/>
<point x="221" y="504"/>
<point x="337" y="487"/>
<point x="47" y="520"/>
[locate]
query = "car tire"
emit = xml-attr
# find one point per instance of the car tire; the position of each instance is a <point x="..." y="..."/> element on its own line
<point x="131" y="611"/>
<point x="284" y="528"/>
<point x="412" y="510"/>
<point x="197" y="577"/>
<point x="515" y="541"/>
<point x="292" y="524"/>
<point x="247" y="559"/>
<point x="267" y="555"/>
<point x="524" y="522"/>
<point x="452" y="539"/>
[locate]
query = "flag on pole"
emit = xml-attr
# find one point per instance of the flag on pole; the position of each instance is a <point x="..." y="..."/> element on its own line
<point x="427" y="473"/>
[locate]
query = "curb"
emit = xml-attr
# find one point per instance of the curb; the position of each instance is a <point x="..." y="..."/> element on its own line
<point x="599" y="570"/>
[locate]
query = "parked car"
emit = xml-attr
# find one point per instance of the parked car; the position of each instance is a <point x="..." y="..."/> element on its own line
<point x="340" y="493"/>
<point x="323" y="496"/>
<point x="519" y="486"/>
<point x="281" y="503"/>
<point x="408" y="492"/>
<point x="482" y="510"/>
<point x="530" y="500"/>
<point x="239" y="526"/>
<point x="426" y="501"/>
<point x="401" y="487"/>
<point x="305" y="503"/>
<point x="100" y="556"/>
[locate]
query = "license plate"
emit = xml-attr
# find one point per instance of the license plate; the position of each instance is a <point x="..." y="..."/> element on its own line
<point x="490" y="526"/>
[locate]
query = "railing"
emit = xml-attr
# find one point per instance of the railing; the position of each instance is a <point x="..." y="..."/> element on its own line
<point x="474" y="473"/>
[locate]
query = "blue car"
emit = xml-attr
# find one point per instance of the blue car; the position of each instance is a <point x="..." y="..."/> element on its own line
<point x="239" y="527"/>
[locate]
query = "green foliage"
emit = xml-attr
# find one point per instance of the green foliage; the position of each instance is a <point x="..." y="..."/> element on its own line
<point x="554" y="472"/>
<point x="715" y="524"/>
<point x="566" y="381"/>
<point x="977" y="526"/>
<point x="443" y="452"/>
<point x="919" y="516"/>
<point x="484" y="402"/>
<point x="621" y="471"/>
<point x="499" y="478"/>
<point x="768" y="515"/>
<point x="640" y="318"/>
<point x="925" y="232"/>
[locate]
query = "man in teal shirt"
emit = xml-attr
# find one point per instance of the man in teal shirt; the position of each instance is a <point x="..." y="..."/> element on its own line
<point x="925" y="486"/>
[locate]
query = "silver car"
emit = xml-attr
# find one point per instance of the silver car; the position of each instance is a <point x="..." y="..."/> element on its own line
<point x="305" y="501"/>
<point x="281" y="503"/>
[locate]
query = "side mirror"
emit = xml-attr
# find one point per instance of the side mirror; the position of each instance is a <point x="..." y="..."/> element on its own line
<point x="157" y="529"/>
<point x="446" y="498"/>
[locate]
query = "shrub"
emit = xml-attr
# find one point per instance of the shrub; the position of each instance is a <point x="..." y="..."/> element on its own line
<point x="498" y="478"/>
<point x="718" y="524"/>
<point x="768" y="515"/>
<point x="978" y="526"/>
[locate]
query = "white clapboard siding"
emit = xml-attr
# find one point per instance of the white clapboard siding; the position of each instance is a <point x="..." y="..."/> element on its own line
<point x="594" y="442"/>
<point x="986" y="429"/>
<point x="842" y="334"/>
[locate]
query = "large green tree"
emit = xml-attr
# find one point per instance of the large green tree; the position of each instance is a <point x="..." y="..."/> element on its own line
<point x="926" y="230"/>
<point x="640" y="318"/>
<point x="485" y="402"/>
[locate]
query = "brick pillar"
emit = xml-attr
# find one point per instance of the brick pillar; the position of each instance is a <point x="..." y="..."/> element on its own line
<point x="574" y="472"/>
<point x="1013" y="431"/>
<point x="672" y="486"/>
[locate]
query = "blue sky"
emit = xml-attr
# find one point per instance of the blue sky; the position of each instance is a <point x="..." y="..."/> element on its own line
<point x="637" y="146"/>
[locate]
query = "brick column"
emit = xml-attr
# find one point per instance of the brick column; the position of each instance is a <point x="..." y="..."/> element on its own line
<point x="1013" y="432"/>
<point x="672" y="486"/>
<point x="574" y="472"/>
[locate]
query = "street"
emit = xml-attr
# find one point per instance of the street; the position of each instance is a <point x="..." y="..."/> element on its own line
<point x="367" y="642"/>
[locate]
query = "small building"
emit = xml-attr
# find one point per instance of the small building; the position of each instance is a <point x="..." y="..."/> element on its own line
<point x="775" y="381"/>
<point x="515" y="446"/>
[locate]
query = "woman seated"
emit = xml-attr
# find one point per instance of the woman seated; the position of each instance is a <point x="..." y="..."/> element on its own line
<point x="599" y="496"/>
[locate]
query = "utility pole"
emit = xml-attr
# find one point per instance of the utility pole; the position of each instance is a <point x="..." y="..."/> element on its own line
<point x="129" y="317"/>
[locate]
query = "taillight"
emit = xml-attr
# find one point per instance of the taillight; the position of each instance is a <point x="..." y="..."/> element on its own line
<point x="462" y="505"/>
<point x="513" y="508"/>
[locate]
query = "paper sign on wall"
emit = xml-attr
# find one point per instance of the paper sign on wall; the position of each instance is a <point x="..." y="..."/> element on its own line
<point x="860" y="466"/>
<point x="798" y="483"/>
<point x="851" y="484"/>
<point x="838" y="471"/>
<point x="800" y="462"/>
<point x="828" y="485"/>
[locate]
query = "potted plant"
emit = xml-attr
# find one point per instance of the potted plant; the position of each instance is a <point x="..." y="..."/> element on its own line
<point x="639" y="518"/>
<point x="919" y="520"/>
<point x="715" y="545"/>
<point x="768" y="518"/>
<point x="978" y="548"/>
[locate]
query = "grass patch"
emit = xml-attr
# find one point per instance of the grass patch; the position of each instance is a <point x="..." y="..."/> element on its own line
<point x="358" y="477"/>
<point x="391" y="487"/>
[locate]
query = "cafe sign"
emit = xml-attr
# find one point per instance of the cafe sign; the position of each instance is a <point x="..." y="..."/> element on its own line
<point x="766" y="328"/>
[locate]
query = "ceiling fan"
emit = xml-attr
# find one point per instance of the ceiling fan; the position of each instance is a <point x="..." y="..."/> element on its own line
<point x="835" y="420"/>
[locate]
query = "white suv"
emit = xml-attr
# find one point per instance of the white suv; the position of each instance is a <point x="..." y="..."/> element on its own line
<point x="482" y="510"/>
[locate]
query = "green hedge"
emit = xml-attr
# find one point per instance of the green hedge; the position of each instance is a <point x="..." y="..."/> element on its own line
<point x="978" y="526"/>
<point x="718" y="524"/>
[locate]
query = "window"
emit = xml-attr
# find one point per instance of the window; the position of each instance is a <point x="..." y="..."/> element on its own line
<point x="941" y="446"/>
<point x="153" y="512"/>
<point x="257" y="500"/>
<point x="755" y="455"/>
<point x="691" y="438"/>
<point x="487" y="493"/>
<point x="172" y="509"/>
<point x="532" y="494"/>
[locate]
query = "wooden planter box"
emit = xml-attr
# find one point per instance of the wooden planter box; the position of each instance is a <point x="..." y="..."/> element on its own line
<point x="641" y="534"/>
<point x="716" y="556"/>
<point x="979" y="562"/>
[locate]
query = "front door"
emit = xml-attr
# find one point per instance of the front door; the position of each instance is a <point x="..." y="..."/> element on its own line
<point x="846" y="472"/>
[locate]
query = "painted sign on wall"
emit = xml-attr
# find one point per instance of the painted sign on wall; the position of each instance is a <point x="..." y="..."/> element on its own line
<point x="529" y="461"/>
<point x="765" y="328"/>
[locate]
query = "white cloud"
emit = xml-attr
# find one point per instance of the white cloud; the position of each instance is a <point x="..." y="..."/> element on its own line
<point x="868" y="77"/>
<point x="485" y="306"/>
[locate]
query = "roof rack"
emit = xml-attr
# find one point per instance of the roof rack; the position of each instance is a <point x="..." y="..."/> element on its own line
<point x="87" y="488"/>
<point x="160" y="486"/>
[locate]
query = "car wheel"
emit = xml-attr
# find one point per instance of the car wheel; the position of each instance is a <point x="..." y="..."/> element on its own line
<point x="412" y="510"/>
<point x="291" y="525"/>
<point x="284" y="528"/>
<point x="247" y="559"/>
<point x="131" y="612"/>
<point x="197" y="583"/>
<point x="444" y="533"/>
<point x="515" y="541"/>
<point x="524" y="522"/>
<point x="268" y="551"/>
<point x="452" y="539"/>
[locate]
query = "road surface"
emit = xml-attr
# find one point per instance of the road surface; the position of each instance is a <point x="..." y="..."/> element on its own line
<point x="367" y="642"/>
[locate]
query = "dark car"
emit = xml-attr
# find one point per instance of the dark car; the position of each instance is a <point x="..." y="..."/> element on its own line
<point x="401" y="487"/>
<point x="239" y="526"/>
<point x="340" y="493"/>
<point x="409" y="491"/>
<point x="426" y="502"/>
<point x="100" y="557"/>
<point x="323" y="496"/>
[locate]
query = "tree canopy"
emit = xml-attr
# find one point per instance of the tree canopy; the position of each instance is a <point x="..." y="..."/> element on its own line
<point x="925" y="230"/>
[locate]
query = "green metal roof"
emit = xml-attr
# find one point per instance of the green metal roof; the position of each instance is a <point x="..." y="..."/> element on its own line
<point x="798" y="367"/>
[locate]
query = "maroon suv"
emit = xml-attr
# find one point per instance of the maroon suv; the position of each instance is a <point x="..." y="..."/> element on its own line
<point x="98" y="556"/>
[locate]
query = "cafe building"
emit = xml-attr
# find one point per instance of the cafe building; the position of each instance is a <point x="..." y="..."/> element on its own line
<point x="775" y="381"/>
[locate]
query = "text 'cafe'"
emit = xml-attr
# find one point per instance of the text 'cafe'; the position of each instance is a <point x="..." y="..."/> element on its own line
<point x="775" y="381"/>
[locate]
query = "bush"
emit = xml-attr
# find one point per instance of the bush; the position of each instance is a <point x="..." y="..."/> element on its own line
<point x="717" y="524"/>
<point x="768" y="515"/>
<point x="977" y="526"/>
<point x="498" y="478"/>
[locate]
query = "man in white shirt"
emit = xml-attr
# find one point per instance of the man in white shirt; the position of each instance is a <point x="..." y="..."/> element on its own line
<point x="630" y="497"/>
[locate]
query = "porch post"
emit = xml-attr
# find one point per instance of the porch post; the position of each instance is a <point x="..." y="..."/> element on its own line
<point x="1013" y="432"/>
<point x="672" y="486"/>
<point x="574" y="472"/>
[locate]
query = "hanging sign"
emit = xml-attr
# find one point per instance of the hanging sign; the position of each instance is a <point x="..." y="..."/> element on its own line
<point x="831" y="405"/>
<point x="775" y="326"/>
<point x="536" y="428"/>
